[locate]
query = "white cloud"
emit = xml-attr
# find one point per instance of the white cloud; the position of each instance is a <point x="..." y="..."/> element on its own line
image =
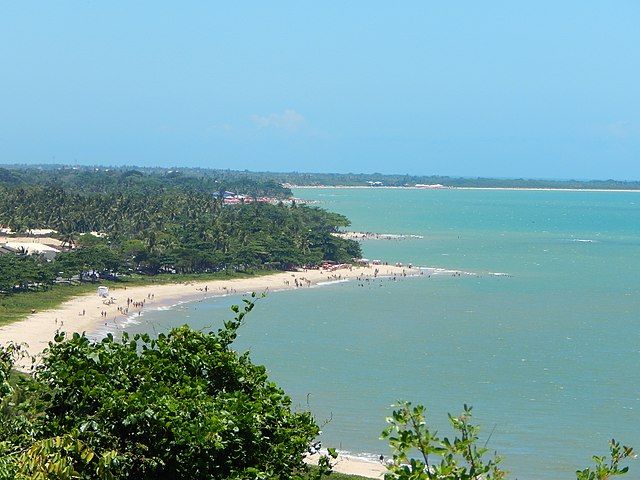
<point x="220" y="127"/>
<point x="289" y="120"/>
<point x="621" y="129"/>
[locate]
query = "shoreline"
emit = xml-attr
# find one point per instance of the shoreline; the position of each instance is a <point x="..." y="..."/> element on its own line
<point x="38" y="329"/>
<point x="533" y="189"/>
<point x="352" y="465"/>
<point x="359" y="236"/>
<point x="90" y="313"/>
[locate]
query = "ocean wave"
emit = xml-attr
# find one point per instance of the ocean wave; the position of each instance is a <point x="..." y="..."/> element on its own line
<point x="331" y="282"/>
<point x="581" y="240"/>
<point x="450" y="271"/>
<point x="446" y="271"/>
<point x="398" y="235"/>
<point x="166" y="307"/>
<point x="361" y="457"/>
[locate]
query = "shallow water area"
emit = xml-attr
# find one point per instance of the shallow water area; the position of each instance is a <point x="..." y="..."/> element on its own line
<point x="542" y="338"/>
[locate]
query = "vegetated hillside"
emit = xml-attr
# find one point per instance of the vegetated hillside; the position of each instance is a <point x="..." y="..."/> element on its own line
<point x="400" y="180"/>
<point x="147" y="229"/>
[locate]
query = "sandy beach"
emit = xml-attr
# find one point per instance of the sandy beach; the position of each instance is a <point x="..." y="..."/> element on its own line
<point x="353" y="466"/>
<point x="358" y="236"/>
<point x="88" y="312"/>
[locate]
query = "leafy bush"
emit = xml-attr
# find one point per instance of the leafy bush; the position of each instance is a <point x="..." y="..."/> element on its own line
<point x="186" y="406"/>
<point x="460" y="458"/>
<point x="181" y="406"/>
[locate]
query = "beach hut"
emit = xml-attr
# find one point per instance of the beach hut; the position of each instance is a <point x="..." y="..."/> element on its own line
<point x="103" y="292"/>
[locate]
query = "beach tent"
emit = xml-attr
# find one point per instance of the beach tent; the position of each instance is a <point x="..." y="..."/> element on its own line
<point x="103" y="291"/>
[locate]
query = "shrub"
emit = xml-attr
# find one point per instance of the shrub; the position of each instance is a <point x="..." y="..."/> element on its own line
<point x="182" y="406"/>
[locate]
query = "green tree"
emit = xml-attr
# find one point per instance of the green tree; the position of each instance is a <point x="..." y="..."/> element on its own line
<point x="184" y="405"/>
<point x="419" y="454"/>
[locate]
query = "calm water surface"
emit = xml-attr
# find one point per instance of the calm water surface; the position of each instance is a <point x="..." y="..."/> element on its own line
<point x="548" y="356"/>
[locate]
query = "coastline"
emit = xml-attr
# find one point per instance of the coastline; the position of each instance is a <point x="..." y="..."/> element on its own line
<point x="533" y="189"/>
<point x="39" y="328"/>
<point x="359" y="236"/>
<point x="89" y="312"/>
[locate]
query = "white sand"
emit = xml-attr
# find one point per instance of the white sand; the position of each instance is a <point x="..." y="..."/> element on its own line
<point x="84" y="313"/>
<point x="374" y="236"/>
<point x="39" y="328"/>
<point x="353" y="466"/>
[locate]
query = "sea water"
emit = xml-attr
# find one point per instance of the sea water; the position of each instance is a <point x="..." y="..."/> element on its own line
<point x="547" y="352"/>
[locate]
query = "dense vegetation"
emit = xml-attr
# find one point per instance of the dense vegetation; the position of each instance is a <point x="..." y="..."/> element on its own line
<point x="150" y="227"/>
<point x="400" y="180"/>
<point x="269" y="183"/>
<point x="106" y="180"/>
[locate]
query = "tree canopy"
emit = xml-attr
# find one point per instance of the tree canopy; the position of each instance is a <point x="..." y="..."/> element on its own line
<point x="183" y="405"/>
<point x="172" y="229"/>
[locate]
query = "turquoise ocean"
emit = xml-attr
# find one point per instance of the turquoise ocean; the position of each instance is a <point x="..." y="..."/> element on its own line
<point x="548" y="354"/>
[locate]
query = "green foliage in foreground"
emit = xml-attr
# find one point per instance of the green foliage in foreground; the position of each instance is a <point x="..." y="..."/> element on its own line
<point x="460" y="457"/>
<point x="187" y="406"/>
<point x="182" y="406"/>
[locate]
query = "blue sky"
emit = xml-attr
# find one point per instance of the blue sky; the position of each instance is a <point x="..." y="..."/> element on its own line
<point x="543" y="89"/>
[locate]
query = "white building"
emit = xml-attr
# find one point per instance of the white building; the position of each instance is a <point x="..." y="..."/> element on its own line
<point x="30" y="249"/>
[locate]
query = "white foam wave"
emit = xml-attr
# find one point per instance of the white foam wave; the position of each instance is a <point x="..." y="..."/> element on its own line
<point x="445" y="271"/>
<point x="363" y="456"/>
<point x="397" y="235"/>
<point x="331" y="282"/>
<point x="166" y="307"/>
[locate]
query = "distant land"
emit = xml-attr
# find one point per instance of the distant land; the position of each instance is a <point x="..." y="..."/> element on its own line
<point x="16" y="174"/>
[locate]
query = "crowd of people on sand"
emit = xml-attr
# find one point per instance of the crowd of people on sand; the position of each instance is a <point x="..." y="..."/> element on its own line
<point x="223" y="288"/>
<point x="132" y="306"/>
<point x="361" y="279"/>
<point x="297" y="280"/>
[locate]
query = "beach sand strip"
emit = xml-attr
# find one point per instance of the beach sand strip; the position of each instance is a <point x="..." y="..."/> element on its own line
<point x="89" y="312"/>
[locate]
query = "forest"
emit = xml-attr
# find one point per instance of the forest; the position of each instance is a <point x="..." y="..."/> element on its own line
<point x="270" y="183"/>
<point x="126" y="221"/>
<point x="404" y="180"/>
